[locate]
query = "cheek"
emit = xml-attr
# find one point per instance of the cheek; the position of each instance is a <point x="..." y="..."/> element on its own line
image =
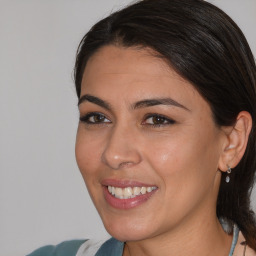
<point x="87" y="153"/>
<point x="183" y="160"/>
<point x="183" y="167"/>
<point x="167" y="154"/>
<point x="88" y="157"/>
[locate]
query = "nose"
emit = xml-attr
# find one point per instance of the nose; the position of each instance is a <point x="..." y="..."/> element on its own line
<point x="121" y="149"/>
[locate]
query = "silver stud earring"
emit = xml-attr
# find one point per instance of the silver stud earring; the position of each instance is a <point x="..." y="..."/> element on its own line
<point x="228" y="172"/>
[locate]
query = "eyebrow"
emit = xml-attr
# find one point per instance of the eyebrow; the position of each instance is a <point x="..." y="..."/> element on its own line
<point x="95" y="100"/>
<point x="160" y="101"/>
<point x="136" y="105"/>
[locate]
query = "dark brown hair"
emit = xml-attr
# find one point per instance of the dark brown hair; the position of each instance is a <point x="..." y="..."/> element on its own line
<point x="207" y="48"/>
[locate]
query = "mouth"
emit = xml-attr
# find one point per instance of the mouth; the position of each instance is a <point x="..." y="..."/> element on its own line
<point x="127" y="194"/>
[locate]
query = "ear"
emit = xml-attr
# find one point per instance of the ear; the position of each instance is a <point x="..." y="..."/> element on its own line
<point x="236" y="140"/>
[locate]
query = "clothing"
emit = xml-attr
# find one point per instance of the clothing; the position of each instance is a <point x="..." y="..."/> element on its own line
<point x="113" y="247"/>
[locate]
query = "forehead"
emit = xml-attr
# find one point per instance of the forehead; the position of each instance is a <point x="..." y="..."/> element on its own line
<point x="130" y="64"/>
<point x="117" y="59"/>
<point x="119" y="74"/>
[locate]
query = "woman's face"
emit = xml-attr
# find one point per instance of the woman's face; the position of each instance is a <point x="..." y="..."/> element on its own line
<point x="147" y="145"/>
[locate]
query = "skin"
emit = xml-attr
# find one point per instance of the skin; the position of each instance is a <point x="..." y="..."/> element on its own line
<point x="182" y="158"/>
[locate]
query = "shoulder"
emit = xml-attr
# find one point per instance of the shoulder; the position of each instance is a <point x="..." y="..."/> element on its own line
<point x="110" y="247"/>
<point x="67" y="248"/>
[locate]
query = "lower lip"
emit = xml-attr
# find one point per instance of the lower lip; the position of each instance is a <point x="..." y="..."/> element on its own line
<point x="126" y="203"/>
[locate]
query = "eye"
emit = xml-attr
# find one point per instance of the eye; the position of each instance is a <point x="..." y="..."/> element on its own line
<point x="94" y="118"/>
<point x="157" y="120"/>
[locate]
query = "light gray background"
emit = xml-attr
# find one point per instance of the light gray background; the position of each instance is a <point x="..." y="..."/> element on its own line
<point x="43" y="199"/>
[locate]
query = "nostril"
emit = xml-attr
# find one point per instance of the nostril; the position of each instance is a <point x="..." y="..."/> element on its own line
<point x="125" y="164"/>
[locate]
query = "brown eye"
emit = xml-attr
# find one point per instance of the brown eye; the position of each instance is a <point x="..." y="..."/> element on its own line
<point x="158" y="120"/>
<point x="94" y="118"/>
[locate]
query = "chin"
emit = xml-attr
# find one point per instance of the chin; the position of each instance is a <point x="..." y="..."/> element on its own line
<point x="128" y="229"/>
<point x="127" y="235"/>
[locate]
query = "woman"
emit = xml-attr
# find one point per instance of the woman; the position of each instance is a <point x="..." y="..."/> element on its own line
<point x="167" y="134"/>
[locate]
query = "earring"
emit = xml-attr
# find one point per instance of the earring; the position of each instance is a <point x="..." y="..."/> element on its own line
<point x="228" y="172"/>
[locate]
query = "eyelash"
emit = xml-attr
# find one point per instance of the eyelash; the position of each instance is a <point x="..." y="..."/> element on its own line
<point x="86" y="118"/>
<point x="166" y="121"/>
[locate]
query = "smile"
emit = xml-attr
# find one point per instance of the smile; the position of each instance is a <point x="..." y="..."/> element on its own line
<point x="129" y="192"/>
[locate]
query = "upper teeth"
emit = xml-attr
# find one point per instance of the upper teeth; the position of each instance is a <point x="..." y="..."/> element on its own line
<point x="129" y="192"/>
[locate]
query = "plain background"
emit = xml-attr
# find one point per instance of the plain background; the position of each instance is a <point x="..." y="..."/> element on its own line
<point x="43" y="199"/>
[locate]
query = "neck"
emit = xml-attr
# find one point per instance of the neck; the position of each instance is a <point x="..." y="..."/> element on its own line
<point x="204" y="236"/>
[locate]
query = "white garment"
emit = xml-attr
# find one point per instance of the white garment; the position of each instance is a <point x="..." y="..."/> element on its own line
<point x="90" y="247"/>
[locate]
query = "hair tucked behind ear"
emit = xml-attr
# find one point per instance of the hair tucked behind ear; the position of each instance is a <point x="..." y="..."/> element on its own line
<point x="207" y="48"/>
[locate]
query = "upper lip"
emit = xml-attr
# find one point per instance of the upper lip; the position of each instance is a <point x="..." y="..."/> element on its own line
<point x="125" y="183"/>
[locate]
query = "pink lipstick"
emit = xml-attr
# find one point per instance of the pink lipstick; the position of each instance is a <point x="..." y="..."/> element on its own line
<point x="123" y="194"/>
